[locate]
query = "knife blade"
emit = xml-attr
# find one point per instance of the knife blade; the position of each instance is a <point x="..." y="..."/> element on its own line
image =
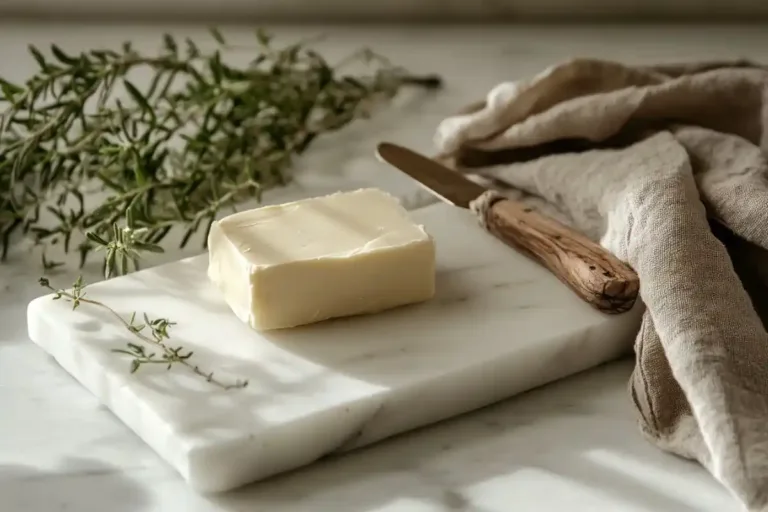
<point x="593" y="273"/>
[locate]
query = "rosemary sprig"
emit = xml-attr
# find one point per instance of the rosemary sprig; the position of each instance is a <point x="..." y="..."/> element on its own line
<point x="158" y="333"/>
<point x="199" y="137"/>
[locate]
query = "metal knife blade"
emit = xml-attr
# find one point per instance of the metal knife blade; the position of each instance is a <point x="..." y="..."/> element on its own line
<point x="596" y="275"/>
<point x="446" y="184"/>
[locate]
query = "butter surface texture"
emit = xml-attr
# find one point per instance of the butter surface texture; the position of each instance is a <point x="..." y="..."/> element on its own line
<point x="297" y="263"/>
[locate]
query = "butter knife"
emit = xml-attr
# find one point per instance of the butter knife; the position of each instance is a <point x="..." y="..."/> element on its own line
<point x="596" y="275"/>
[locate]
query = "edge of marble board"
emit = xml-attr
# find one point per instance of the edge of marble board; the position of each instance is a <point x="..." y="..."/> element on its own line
<point x="108" y="386"/>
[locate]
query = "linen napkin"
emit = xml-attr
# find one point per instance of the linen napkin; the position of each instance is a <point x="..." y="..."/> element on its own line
<point x="666" y="167"/>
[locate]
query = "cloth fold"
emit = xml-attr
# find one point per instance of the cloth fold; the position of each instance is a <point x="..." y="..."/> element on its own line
<point x="666" y="167"/>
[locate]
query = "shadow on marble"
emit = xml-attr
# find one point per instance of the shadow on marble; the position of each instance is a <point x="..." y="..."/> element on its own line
<point x="465" y="303"/>
<point x="19" y="285"/>
<point x="77" y="484"/>
<point x="185" y="280"/>
<point x="565" y="434"/>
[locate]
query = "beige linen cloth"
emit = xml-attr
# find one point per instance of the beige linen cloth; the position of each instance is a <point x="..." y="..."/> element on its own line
<point x="666" y="167"/>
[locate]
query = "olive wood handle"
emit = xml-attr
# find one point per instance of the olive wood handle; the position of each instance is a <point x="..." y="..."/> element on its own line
<point x="596" y="275"/>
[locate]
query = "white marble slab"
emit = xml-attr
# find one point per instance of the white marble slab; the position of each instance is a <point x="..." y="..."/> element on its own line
<point x="498" y="325"/>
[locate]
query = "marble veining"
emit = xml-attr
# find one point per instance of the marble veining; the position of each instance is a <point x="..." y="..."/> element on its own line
<point x="336" y="385"/>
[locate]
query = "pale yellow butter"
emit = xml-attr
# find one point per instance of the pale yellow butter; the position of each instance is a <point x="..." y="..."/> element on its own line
<point x="339" y="255"/>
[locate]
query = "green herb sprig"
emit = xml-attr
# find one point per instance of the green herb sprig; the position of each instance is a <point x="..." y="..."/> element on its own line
<point x="157" y="330"/>
<point x="124" y="248"/>
<point x="200" y="137"/>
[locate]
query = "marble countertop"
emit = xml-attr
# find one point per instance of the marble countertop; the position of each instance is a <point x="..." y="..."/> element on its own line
<point x="571" y="445"/>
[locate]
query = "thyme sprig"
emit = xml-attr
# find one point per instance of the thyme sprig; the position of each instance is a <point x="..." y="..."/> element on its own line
<point x="124" y="248"/>
<point x="199" y="137"/>
<point x="152" y="333"/>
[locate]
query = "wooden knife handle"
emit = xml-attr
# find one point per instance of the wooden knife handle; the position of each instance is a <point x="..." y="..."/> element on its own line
<point x="595" y="274"/>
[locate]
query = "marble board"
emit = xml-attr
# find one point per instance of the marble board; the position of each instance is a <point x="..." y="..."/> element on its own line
<point x="498" y="325"/>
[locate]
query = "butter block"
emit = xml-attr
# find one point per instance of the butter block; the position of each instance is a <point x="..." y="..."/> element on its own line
<point x="344" y="254"/>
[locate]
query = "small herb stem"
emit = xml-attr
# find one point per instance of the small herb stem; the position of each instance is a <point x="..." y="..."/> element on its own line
<point x="172" y="356"/>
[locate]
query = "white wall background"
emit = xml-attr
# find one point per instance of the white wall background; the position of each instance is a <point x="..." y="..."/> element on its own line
<point x="392" y="10"/>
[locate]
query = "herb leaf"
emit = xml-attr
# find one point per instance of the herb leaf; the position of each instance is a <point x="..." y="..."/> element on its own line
<point x="202" y="136"/>
<point x="168" y="355"/>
